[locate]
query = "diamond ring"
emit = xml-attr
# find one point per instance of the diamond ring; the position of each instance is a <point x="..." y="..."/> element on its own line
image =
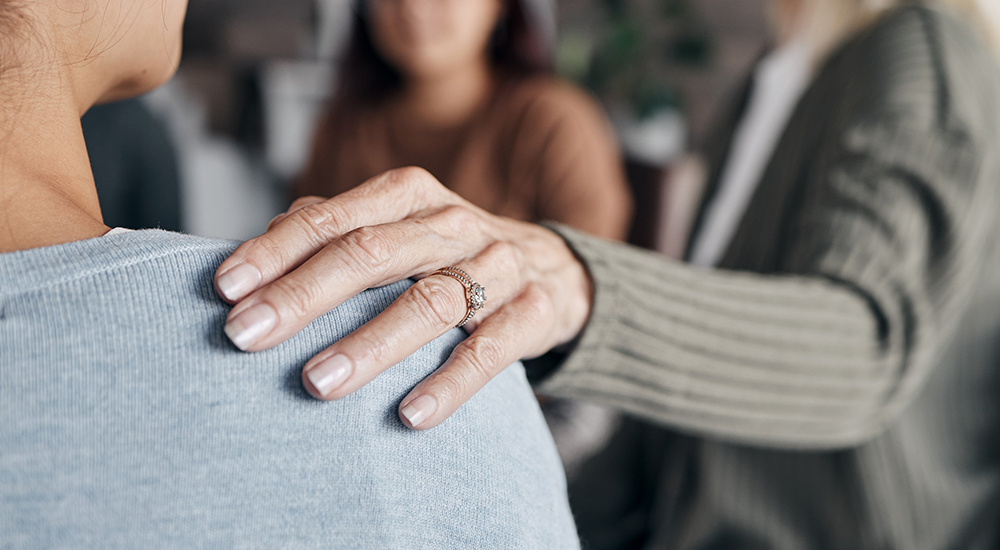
<point x="475" y="294"/>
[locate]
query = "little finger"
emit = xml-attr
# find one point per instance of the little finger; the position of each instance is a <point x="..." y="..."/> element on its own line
<point x="519" y="329"/>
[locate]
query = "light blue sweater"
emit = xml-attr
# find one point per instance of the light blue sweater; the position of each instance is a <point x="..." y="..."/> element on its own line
<point x="128" y="420"/>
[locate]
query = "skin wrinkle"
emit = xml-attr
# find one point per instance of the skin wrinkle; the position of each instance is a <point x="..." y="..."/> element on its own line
<point x="10" y="13"/>
<point x="60" y="59"/>
<point x="13" y="20"/>
<point x="16" y="21"/>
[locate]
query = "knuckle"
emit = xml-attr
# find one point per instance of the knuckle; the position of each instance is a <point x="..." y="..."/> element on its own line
<point x="414" y="174"/>
<point x="369" y="248"/>
<point x="300" y="299"/>
<point x="266" y="252"/>
<point x="313" y="220"/>
<point x="374" y="350"/>
<point x="317" y="215"/>
<point x="483" y="355"/>
<point x="410" y="178"/>
<point x="459" y="217"/>
<point x="418" y="183"/>
<point x="438" y="305"/>
<point x="504" y="257"/>
<point x="305" y="201"/>
<point x="451" y="386"/>
<point x="536" y="303"/>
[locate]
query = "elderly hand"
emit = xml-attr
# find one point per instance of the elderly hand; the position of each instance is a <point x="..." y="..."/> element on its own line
<point x="398" y="225"/>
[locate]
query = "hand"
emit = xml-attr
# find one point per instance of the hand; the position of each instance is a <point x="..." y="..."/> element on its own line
<point x="405" y="224"/>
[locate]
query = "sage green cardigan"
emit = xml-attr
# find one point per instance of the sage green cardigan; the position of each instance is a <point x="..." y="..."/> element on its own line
<point x="837" y="383"/>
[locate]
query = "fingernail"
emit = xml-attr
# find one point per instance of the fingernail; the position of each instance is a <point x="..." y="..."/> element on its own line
<point x="330" y="374"/>
<point x="251" y="325"/>
<point x="420" y="409"/>
<point x="239" y="281"/>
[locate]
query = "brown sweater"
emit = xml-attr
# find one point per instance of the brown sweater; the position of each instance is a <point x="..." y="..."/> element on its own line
<point x="538" y="149"/>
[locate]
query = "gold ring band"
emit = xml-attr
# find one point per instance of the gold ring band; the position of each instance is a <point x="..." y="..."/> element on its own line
<point x="475" y="294"/>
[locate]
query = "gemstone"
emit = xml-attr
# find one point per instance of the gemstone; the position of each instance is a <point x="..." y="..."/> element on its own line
<point x="477" y="296"/>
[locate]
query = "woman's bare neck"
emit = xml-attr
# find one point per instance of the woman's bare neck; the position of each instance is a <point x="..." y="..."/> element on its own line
<point x="47" y="192"/>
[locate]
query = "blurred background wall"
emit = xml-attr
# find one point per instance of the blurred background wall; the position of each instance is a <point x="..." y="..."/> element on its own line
<point x="256" y="73"/>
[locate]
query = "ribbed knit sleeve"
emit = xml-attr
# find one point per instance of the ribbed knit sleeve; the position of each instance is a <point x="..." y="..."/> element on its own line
<point x="885" y="242"/>
<point x="790" y="361"/>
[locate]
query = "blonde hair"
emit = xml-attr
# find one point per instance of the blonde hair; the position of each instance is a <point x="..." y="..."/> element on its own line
<point x="828" y="22"/>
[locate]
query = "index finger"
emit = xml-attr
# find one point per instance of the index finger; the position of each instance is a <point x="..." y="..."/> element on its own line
<point x="392" y="196"/>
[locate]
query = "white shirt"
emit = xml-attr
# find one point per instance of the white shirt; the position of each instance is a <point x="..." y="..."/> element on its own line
<point x="779" y="82"/>
<point x="117" y="231"/>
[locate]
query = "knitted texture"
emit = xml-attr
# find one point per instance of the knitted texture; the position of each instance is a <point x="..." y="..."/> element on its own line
<point x="130" y="421"/>
<point x="837" y="381"/>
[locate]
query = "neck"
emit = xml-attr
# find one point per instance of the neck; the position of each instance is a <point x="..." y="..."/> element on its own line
<point x="447" y="100"/>
<point x="47" y="193"/>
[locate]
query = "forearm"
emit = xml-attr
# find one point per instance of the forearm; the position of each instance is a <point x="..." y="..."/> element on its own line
<point x="776" y="360"/>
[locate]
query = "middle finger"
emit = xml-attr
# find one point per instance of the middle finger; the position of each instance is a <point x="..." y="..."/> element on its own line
<point x="428" y="309"/>
<point x="364" y="258"/>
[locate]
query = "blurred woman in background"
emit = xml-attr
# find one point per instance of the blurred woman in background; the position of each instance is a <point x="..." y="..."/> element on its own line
<point x="463" y="89"/>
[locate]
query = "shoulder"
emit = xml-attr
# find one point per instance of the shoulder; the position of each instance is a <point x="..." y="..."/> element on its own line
<point x="116" y="345"/>
<point x="920" y="63"/>
<point x="86" y="262"/>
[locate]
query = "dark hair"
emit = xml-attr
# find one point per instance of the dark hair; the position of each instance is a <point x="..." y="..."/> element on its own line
<point x="516" y="48"/>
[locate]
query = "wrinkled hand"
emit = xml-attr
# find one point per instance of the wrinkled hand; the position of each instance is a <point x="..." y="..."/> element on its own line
<point x="398" y="225"/>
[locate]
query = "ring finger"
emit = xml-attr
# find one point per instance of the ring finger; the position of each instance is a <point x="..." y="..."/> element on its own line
<point x="431" y="307"/>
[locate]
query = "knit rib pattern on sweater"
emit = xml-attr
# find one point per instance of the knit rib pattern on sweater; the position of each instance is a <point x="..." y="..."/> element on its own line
<point x="835" y="384"/>
<point x="128" y="420"/>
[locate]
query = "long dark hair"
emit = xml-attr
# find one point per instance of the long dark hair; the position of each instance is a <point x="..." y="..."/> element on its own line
<point x="517" y="49"/>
